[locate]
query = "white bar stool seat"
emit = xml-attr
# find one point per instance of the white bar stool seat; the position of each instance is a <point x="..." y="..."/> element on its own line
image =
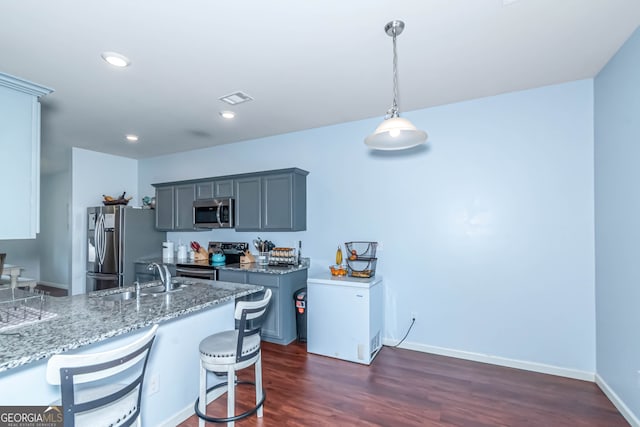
<point x="102" y="389"/>
<point x="230" y="351"/>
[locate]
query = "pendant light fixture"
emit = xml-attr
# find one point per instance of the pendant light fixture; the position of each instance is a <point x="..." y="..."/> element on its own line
<point x="395" y="133"/>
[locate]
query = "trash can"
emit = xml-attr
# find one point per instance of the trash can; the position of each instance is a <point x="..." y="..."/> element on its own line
<point x="300" y="300"/>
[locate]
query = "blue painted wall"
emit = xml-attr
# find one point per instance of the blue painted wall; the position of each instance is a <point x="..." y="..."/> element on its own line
<point x="617" y="196"/>
<point x="487" y="235"/>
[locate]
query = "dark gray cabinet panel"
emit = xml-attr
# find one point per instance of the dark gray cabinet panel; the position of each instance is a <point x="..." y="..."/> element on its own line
<point x="204" y="190"/>
<point x="280" y="324"/>
<point x="164" y="208"/>
<point x="277" y="202"/>
<point x="232" y="276"/>
<point x="284" y="199"/>
<point x="213" y="189"/>
<point x="185" y="195"/>
<point x="174" y="207"/>
<point x="272" y="202"/>
<point x="248" y="203"/>
<point x="223" y="188"/>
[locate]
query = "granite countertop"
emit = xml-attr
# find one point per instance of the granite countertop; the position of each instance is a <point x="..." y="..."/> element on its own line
<point x="253" y="267"/>
<point x="86" y="319"/>
<point x="269" y="269"/>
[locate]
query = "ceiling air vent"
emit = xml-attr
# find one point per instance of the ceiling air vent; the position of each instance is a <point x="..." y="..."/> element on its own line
<point x="236" y="98"/>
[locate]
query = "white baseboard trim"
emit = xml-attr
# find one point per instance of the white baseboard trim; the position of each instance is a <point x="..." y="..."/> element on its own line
<point x="179" y="417"/>
<point x="188" y="411"/>
<point x="617" y="402"/>
<point x="496" y="360"/>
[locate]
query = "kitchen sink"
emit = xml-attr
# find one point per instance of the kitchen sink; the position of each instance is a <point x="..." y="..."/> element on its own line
<point x="120" y="296"/>
<point x="158" y="289"/>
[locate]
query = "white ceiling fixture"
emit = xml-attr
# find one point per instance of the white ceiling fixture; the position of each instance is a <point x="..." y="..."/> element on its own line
<point x="236" y="98"/>
<point x="395" y="133"/>
<point x="227" y="114"/>
<point x="116" y="59"/>
<point x="132" y="138"/>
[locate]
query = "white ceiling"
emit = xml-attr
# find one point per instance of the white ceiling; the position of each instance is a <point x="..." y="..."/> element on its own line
<point x="306" y="63"/>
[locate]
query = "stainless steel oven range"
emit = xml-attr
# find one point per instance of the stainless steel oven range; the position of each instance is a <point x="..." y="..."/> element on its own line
<point x="207" y="269"/>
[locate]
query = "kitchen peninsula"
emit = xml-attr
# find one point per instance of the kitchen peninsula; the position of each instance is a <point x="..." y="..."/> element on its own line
<point x="93" y="322"/>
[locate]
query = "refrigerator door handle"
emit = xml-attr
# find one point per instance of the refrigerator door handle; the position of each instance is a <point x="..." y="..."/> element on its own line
<point x="100" y="239"/>
<point x="96" y="238"/>
<point x="103" y="276"/>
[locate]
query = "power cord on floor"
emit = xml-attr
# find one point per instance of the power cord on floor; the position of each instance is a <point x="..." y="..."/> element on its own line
<point x="413" y="320"/>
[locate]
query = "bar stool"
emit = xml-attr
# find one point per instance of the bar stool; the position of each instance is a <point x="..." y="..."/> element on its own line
<point x="230" y="351"/>
<point x="102" y="388"/>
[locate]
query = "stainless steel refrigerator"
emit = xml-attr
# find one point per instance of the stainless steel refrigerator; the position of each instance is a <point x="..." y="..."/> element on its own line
<point x="117" y="236"/>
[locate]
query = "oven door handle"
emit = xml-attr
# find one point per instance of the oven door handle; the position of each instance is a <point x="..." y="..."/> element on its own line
<point x="195" y="272"/>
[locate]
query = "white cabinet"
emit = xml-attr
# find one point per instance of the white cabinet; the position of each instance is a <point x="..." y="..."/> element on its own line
<point x="20" y="154"/>
<point x="345" y="317"/>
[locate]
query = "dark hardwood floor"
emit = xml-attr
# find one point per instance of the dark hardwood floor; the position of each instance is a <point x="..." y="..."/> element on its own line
<point x="408" y="388"/>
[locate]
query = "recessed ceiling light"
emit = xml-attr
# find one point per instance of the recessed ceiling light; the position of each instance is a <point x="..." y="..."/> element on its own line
<point x="116" y="59"/>
<point x="227" y="114"/>
<point x="132" y="138"/>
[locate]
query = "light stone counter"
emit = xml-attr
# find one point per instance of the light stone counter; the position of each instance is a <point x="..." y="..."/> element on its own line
<point x="87" y="319"/>
<point x="269" y="269"/>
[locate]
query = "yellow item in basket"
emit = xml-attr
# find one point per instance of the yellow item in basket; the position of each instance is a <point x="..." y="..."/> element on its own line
<point x="339" y="256"/>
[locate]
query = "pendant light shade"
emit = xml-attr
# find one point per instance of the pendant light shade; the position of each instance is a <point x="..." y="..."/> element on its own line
<point x="395" y="133"/>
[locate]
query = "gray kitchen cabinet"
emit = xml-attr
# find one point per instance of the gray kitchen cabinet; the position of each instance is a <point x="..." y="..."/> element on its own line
<point x="20" y="148"/>
<point x="214" y="189"/>
<point x="272" y="201"/>
<point x="204" y="190"/>
<point x="223" y="188"/>
<point x="280" y="323"/>
<point x="264" y="201"/>
<point x="284" y="202"/>
<point x="232" y="276"/>
<point x="248" y="203"/>
<point x="185" y="195"/>
<point x="164" y="208"/>
<point x="174" y="207"/>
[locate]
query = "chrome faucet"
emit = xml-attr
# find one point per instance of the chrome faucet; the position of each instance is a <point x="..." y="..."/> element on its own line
<point x="167" y="278"/>
<point x="163" y="271"/>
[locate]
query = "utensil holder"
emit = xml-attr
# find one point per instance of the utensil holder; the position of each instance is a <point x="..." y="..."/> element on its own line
<point x="263" y="258"/>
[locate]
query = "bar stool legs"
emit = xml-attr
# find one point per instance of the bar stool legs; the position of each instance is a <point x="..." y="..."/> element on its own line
<point x="230" y="351"/>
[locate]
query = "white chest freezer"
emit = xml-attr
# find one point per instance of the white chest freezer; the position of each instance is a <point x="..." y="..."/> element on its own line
<point x="345" y="317"/>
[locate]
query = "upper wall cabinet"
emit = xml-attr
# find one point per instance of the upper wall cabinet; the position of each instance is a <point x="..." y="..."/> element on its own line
<point x="20" y="153"/>
<point x="174" y="207"/>
<point x="272" y="201"/>
<point x="264" y="201"/>
<point x="214" y="189"/>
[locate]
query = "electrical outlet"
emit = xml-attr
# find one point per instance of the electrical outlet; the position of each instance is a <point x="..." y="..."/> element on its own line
<point x="638" y="378"/>
<point x="414" y="316"/>
<point x="154" y="384"/>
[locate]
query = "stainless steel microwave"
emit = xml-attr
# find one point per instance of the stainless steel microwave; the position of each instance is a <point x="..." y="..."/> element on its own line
<point x="213" y="213"/>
